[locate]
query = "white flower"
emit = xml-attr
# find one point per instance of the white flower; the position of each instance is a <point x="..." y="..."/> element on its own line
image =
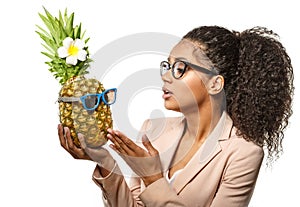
<point x="72" y="50"/>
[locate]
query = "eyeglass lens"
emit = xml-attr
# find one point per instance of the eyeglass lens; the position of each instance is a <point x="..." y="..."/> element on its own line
<point x="178" y="68"/>
<point x="91" y="101"/>
<point x="164" y="67"/>
<point x="109" y="96"/>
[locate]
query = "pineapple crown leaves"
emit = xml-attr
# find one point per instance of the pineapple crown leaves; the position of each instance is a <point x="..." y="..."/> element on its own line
<point x="59" y="28"/>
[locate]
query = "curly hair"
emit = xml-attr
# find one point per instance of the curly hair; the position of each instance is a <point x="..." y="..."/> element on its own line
<point x="258" y="78"/>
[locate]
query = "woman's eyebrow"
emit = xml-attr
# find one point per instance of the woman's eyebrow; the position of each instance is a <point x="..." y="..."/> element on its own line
<point x="177" y="58"/>
<point x="181" y="58"/>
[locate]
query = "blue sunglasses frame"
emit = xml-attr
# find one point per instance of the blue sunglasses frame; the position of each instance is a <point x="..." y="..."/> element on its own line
<point x="100" y="96"/>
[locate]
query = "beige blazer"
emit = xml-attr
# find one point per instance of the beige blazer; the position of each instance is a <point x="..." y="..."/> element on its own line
<point x="223" y="172"/>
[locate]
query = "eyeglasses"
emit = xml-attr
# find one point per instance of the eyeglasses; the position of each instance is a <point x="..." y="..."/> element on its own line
<point x="179" y="67"/>
<point x="92" y="101"/>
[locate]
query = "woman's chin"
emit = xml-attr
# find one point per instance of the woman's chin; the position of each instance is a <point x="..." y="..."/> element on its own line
<point x="172" y="107"/>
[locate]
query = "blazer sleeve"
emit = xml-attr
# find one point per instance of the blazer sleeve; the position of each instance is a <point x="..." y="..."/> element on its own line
<point x="238" y="181"/>
<point x="115" y="191"/>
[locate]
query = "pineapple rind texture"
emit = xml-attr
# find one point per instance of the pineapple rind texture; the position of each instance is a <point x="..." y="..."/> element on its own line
<point x="92" y="124"/>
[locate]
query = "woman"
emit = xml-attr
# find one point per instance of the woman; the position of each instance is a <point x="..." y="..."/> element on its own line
<point x="234" y="91"/>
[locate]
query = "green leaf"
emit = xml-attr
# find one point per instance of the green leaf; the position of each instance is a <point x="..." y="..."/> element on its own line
<point x="50" y="17"/>
<point x="48" y="55"/>
<point x="77" y="31"/>
<point x="86" y="40"/>
<point x="63" y="33"/>
<point x="47" y="23"/>
<point x="49" y="49"/>
<point x="66" y="15"/>
<point x="61" y="20"/>
<point x="48" y="41"/>
<point x="44" y="31"/>
<point x="69" y="24"/>
<point x="54" y="25"/>
<point x="82" y="36"/>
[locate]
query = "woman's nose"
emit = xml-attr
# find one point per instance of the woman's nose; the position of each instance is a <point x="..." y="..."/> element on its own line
<point x="167" y="77"/>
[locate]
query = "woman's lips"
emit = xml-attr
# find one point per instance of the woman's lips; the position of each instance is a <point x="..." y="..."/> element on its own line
<point x="166" y="93"/>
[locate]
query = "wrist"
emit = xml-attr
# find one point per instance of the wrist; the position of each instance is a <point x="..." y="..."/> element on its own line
<point x="151" y="179"/>
<point x="106" y="171"/>
<point x="107" y="163"/>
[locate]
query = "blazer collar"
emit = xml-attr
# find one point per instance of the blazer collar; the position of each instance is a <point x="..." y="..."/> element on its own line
<point x="168" y="144"/>
<point x="209" y="149"/>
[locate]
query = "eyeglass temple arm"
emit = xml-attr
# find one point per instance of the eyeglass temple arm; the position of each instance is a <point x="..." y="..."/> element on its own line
<point x="205" y="70"/>
<point x="68" y="99"/>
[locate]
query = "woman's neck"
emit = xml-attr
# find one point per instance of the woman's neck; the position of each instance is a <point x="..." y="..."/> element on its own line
<point x="199" y="124"/>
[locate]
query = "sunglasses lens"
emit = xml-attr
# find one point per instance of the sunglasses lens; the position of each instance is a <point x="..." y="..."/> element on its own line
<point x="110" y="96"/>
<point x="91" y="101"/>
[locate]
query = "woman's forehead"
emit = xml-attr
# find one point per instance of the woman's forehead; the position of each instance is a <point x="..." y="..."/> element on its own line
<point x="191" y="52"/>
<point x="182" y="48"/>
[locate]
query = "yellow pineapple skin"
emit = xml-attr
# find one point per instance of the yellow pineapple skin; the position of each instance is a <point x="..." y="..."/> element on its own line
<point x="92" y="124"/>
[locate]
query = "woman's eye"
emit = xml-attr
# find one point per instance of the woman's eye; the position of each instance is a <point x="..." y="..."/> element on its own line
<point x="179" y="70"/>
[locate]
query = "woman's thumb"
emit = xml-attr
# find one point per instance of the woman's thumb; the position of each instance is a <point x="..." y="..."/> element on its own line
<point x="81" y="140"/>
<point x="146" y="142"/>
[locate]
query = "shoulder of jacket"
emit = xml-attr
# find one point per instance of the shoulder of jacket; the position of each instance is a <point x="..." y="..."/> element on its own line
<point x="237" y="144"/>
<point x="164" y="120"/>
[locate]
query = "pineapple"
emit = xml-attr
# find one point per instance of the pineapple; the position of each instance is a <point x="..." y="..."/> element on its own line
<point x="83" y="107"/>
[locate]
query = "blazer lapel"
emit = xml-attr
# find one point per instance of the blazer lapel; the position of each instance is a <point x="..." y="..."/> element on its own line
<point x="210" y="148"/>
<point x="168" y="141"/>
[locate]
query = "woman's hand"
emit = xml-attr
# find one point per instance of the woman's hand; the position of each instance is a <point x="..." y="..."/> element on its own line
<point x="145" y="163"/>
<point x="99" y="155"/>
<point x="67" y="143"/>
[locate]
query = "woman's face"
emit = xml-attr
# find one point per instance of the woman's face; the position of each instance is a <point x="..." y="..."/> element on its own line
<point x="189" y="92"/>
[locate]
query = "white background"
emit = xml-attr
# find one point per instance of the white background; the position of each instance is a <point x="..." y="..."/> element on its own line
<point x="35" y="170"/>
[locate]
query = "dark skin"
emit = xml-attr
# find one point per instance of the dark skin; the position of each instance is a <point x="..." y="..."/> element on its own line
<point x="124" y="146"/>
<point x="136" y="157"/>
<point x="77" y="153"/>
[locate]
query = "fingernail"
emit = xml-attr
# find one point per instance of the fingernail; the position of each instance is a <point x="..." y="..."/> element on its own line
<point x="80" y="138"/>
<point x="145" y="138"/>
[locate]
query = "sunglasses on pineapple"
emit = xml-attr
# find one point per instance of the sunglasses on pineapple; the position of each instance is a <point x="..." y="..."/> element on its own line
<point x="92" y="101"/>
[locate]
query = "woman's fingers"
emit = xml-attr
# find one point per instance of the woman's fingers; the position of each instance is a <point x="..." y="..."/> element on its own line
<point x="67" y="143"/>
<point x="121" y="143"/>
<point x="124" y="145"/>
<point x="69" y="140"/>
<point x="65" y="137"/>
<point x="146" y="142"/>
<point x="62" y="139"/>
<point x="117" y="145"/>
<point x="125" y="140"/>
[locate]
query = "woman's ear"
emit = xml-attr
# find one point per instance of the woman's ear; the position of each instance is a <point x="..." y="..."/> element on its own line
<point x="216" y="84"/>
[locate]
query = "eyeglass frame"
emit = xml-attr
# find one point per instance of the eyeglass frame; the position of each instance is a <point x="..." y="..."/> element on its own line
<point x="186" y="64"/>
<point x="82" y="98"/>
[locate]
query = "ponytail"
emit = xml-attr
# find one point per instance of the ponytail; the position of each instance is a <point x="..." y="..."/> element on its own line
<point x="258" y="81"/>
